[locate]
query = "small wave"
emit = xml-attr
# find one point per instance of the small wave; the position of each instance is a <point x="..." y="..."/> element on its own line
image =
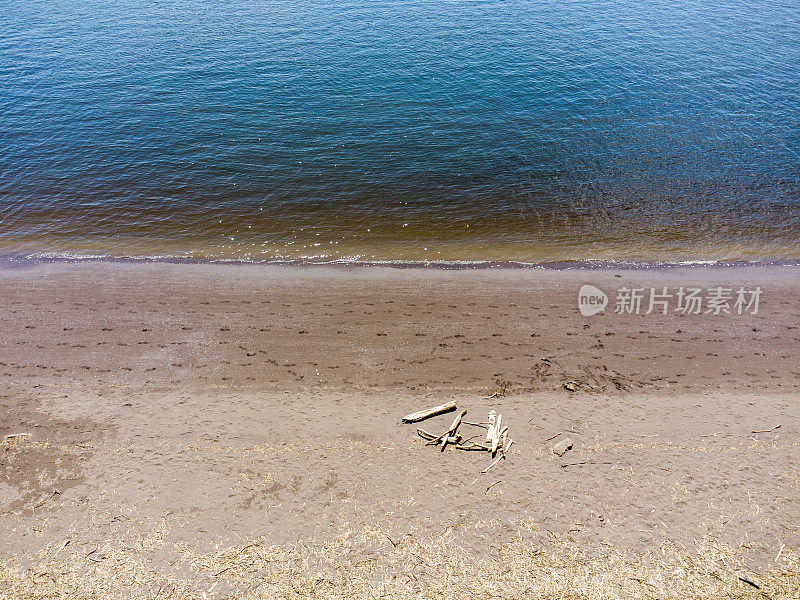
<point x="575" y="264"/>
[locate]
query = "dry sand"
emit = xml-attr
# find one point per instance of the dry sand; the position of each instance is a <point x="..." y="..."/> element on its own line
<point x="177" y="410"/>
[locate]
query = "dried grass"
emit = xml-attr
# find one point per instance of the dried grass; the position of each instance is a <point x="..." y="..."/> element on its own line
<point x="375" y="563"/>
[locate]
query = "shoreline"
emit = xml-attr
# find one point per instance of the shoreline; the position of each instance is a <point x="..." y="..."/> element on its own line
<point x="13" y="261"/>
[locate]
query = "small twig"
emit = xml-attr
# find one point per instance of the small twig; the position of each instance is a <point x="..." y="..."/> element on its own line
<point x="766" y="431"/>
<point x="50" y="497"/>
<point x="746" y="580"/>
<point x="586" y="462"/>
<point x="484" y="425"/>
<point x="552" y="437"/>
<point x="494" y="484"/>
<point x="494" y="462"/>
<point x="780" y="552"/>
<point x="501" y="456"/>
<point x="61" y="548"/>
<point x="91" y="558"/>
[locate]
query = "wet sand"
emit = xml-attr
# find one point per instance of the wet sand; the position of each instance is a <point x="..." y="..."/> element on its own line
<point x="229" y="402"/>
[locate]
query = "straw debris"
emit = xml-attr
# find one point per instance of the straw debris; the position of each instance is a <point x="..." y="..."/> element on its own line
<point x="373" y="562"/>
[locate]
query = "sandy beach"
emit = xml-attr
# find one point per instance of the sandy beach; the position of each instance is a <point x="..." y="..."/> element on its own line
<point x="212" y="430"/>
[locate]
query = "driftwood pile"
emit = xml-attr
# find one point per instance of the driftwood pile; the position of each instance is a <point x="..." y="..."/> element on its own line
<point x="496" y="441"/>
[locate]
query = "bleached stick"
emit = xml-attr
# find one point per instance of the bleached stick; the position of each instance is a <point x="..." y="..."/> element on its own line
<point x="494" y="462"/>
<point x="496" y="434"/>
<point x="453" y="429"/>
<point x="490" y="429"/>
<point x="425" y="435"/>
<point x="500" y="456"/>
<point x="472" y="446"/>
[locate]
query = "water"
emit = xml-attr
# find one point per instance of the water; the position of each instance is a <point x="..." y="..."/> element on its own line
<point x="413" y="130"/>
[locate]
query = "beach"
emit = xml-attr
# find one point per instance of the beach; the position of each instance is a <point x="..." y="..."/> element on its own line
<point x="207" y="429"/>
<point x="241" y="241"/>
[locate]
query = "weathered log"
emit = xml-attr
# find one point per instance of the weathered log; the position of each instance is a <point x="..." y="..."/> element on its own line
<point x="429" y="412"/>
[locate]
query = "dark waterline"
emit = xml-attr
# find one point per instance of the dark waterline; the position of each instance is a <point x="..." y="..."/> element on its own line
<point x="416" y="132"/>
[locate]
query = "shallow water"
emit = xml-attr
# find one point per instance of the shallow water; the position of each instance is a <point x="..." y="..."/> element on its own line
<point x="406" y="131"/>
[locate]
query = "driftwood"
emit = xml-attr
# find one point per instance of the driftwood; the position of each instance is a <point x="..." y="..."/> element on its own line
<point x="45" y="499"/>
<point x="451" y="439"/>
<point x="429" y="412"/>
<point x="451" y="433"/>
<point x="766" y="430"/>
<point x="497" y="439"/>
<point x="473" y="446"/>
<point x="425" y="435"/>
<point x="494" y="484"/>
<point x="502" y="455"/>
<point x="490" y="429"/>
<point x="494" y="462"/>
<point x="496" y="431"/>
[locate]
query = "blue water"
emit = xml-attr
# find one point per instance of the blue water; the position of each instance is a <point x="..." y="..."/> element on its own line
<point x="414" y="130"/>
